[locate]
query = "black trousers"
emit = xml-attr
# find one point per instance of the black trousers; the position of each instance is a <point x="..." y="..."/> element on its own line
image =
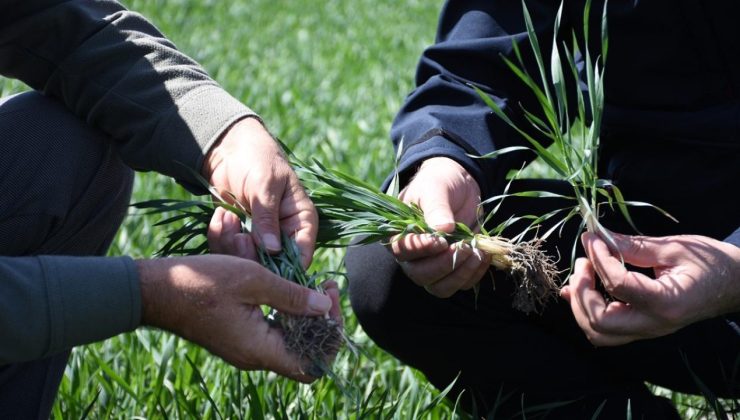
<point x="64" y="191"/>
<point x="505" y="361"/>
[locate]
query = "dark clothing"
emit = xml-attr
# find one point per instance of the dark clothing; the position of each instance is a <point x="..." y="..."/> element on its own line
<point x="116" y="94"/>
<point x="154" y="107"/>
<point x="672" y="79"/>
<point x="670" y="138"/>
<point x="508" y="360"/>
<point x="71" y="206"/>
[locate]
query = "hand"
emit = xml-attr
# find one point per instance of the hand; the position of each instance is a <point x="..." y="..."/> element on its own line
<point x="249" y="163"/>
<point x="446" y="193"/>
<point x="696" y="278"/>
<point x="213" y="301"/>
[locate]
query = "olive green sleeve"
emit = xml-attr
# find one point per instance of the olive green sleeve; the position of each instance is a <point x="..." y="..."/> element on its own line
<point x="115" y="70"/>
<point x="52" y="303"/>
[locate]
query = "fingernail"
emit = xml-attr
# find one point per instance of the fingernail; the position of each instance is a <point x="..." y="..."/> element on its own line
<point x="271" y="242"/>
<point x="319" y="302"/>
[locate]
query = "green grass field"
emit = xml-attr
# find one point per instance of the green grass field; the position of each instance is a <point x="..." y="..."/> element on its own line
<point x="327" y="77"/>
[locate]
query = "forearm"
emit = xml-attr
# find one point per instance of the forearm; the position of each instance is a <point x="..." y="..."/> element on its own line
<point x="52" y="303"/>
<point x="115" y="70"/>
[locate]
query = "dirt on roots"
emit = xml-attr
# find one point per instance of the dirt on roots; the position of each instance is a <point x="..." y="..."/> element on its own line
<point x="313" y="339"/>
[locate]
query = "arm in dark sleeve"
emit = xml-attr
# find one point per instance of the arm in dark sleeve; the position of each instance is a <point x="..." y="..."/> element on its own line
<point x="443" y="116"/>
<point x="49" y="304"/>
<point x="115" y="70"/>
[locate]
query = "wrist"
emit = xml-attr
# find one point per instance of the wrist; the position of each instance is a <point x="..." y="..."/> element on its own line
<point x="158" y="305"/>
<point x="217" y="153"/>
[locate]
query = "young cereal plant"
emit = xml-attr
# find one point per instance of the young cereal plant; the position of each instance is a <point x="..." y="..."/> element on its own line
<point x="576" y="141"/>
<point x="350" y="208"/>
<point x="313" y="339"/>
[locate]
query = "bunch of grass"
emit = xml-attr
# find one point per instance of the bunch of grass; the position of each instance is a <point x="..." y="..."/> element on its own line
<point x="350" y="208"/>
<point x="312" y="339"/>
<point x="574" y="134"/>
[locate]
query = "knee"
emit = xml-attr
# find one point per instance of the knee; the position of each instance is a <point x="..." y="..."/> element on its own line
<point x="371" y="271"/>
<point x="62" y="174"/>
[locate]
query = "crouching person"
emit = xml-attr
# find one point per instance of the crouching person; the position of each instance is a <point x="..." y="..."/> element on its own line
<point x="111" y="94"/>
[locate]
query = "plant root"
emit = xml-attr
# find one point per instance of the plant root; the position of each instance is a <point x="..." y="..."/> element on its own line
<point x="535" y="275"/>
<point x="314" y="340"/>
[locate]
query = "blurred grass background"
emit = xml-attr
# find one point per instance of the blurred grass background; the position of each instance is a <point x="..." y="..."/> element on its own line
<point x="327" y="77"/>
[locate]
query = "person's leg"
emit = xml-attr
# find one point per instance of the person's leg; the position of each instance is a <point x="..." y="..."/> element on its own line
<point x="546" y="358"/>
<point x="63" y="190"/>
<point x="698" y="185"/>
<point x="507" y="360"/>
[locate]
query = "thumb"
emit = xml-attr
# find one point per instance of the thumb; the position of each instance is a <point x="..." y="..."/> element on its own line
<point x="265" y="207"/>
<point x="435" y="204"/>
<point x="289" y="297"/>
<point x="640" y="251"/>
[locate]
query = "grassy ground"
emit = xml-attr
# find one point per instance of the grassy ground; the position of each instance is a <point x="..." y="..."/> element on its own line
<point x="328" y="77"/>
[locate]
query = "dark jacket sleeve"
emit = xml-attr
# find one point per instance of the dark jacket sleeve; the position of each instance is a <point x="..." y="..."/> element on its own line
<point x="115" y="70"/>
<point x="443" y="116"/>
<point x="51" y="303"/>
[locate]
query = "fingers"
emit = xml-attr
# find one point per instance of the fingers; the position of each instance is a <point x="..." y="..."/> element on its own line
<point x="455" y="268"/>
<point x="445" y="192"/>
<point x="483" y="267"/>
<point x="280" y="204"/>
<point x="281" y="361"/>
<point x="640" y="251"/>
<point x="606" y="324"/>
<point x="435" y="203"/>
<point x="589" y="307"/>
<point x="268" y="289"/>
<point x="332" y="290"/>
<point x="265" y="204"/>
<point x="225" y="237"/>
<point x="413" y="247"/>
<point x="467" y="274"/>
<point x="635" y="288"/>
<point x="427" y="271"/>
<point x="302" y="220"/>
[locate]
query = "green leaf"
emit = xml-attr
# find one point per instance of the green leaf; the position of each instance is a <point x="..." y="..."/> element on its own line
<point x="499" y="152"/>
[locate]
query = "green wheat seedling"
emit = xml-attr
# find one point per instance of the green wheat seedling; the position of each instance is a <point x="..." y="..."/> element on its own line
<point x="352" y="209"/>
<point x="314" y="339"/>
<point x="576" y="140"/>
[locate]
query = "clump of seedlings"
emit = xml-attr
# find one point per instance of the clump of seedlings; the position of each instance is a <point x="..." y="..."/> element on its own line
<point x="574" y="134"/>
<point x="350" y="208"/>
<point x="314" y="340"/>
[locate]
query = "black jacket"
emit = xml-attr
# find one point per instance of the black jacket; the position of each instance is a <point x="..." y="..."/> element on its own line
<point x="672" y="74"/>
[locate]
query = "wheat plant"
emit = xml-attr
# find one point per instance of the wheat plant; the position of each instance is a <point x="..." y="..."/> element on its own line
<point x="575" y="134"/>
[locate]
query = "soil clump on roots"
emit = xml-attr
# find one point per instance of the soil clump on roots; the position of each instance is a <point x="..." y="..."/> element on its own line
<point x="313" y="339"/>
<point x="534" y="274"/>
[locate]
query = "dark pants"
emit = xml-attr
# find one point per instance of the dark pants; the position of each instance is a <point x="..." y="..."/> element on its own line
<point x="508" y="361"/>
<point x="63" y="190"/>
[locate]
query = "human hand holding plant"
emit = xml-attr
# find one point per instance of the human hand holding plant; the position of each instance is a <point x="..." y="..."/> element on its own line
<point x="250" y="164"/>
<point x="446" y="194"/>
<point x="214" y="301"/>
<point x="696" y="278"/>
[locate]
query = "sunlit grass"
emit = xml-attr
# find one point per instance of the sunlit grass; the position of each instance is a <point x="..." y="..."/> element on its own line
<point x="328" y="78"/>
